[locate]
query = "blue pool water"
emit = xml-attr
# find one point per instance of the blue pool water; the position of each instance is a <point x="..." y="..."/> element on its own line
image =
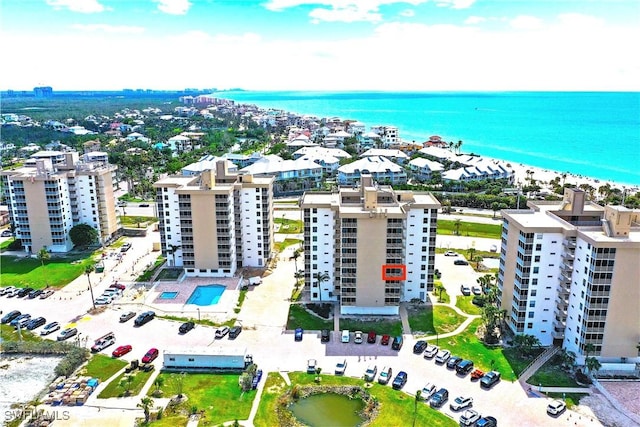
<point x="206" y="295"/>
<point x="168" y="295"/>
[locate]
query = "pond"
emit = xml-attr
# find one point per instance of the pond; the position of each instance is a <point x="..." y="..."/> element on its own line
<point x="328" y="410"/>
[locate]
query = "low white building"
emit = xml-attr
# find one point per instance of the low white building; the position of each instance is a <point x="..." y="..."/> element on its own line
<point x="206" y="359"/>
<point x="380" y="168"/>
<point x="423" y="168"/>
<point x="397" y="156"/>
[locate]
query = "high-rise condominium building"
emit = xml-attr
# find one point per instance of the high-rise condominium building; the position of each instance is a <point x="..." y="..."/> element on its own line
<point x="570" y="275"/>
<point x="55" y="191"/>
<point x="369" y="247"/>
<point x="213" y="223"/>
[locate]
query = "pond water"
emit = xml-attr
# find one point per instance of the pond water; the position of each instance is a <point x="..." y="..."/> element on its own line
<point x="328" y="410"/>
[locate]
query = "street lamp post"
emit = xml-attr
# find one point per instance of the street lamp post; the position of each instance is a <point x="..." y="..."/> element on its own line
<point x="437" y="339"/>
<point x="198" y="313"/>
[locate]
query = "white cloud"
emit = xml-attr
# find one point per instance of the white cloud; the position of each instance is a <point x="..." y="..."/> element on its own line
<point x="456" y="4"/>
<point x="578" y="20"/>
<point x="173" y="7"/>
<point x="340" y="10"/>
<point x="407" y="13"/>
<point x="81" y="6"/>
<point x="525" y="22"/>
<point x="114" y="29"/>
<point x="347" y="14"/>
<point x="472" y="20"/>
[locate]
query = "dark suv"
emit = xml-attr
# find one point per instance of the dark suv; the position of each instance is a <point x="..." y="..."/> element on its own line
<point x="234" y="332"/>
<point x="464" y="367"/>
<point x="397" y="343"/>
<point x="420" y="347"/>
<point x="439" y="398"/>
<point x="400" y="380"/>
<point x="453" y="361"/>
<point x="489" y="379"/>
<point x="145" y="317"/>
<point x="325" y="335"/>
<point x="10" y="316"/>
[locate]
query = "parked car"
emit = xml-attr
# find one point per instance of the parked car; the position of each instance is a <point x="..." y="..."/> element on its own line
<point x="34" y="294"/>
<point x="221" y="332"/>
<point x="298" y="334"/>
<point x="439" y="398"/>
<point x="103" y="300"/>
<point x="6" y="233"/>
<point x="469" y="417"/>
<point x="461" y="262"/>
<point x="36" y="323"/>
<point x="346" y="336"/>
<point x="419" y="347"/>
<point x="450" y="253"/>
<point x="122" y="350"/>
<point x="385" y="340"/>
<point x="127" y="316"/>
<point x="67" y="333"/>
<point x="19" y="319"/>
<point x="476" y="290"/>
<point x="118" y="286"/>
<point x="12" y="293"/>
<point x="357" y="337"/>
<point x="443" y="356"/>
<point x="125" y="247"/>
<point x="234" y="332"/>
<point x="385" y="375"/>
<point x="6" y="290"/>
<point x="144" y="205"/>
<point x="256" y="379"/>
<point x="24" y="292"/>
<point x="493" y="248"/>
<point x="487" y="422"/>
<point x="427" y="391"/>
<point x="556" y="407"/>
<point x="371" y="337"/>
<point x="400" y="380"/>
<point x="312" y="364"/>
<point x="186" y="327"/>
<point x="370" y="373"/>
<point x="112" y="292"/>
<point x="46" y="293"/>
<point x="464" y="367"/>
<point x="103" y="342"/>
<point x="489" y="379"/>
<point x="150" y="355"/>
<point x="397" y="343"/>
<point x="145" y="317"/>
<point x="325" y="335"/>
<point x="50" y="328"/>
<point x="7" y="318"/>
<point x="341" y="367"/>
<point x="461" y="402"/>
<point x="453" y="361"/>
<point x="430" y="351"/>
<point x="477" y="374"/>
<point x="465" y="290"/>
<point x="22" y="323"/>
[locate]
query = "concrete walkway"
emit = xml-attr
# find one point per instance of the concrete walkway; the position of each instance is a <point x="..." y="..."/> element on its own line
<point x="404" y="317"/>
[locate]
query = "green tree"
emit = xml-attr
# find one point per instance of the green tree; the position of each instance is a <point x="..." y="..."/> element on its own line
<point x="321" y="276"/>
<point x="43" y="255"/>
<point x="172" y="249"/>
<point x="145" y="404"/>
<point x="439" y="289"/>
<point x="592" y="364"/>
<point x="495" y="206"/>
<point x="318" y="370"/>
<point x="296" y="255"/>
<point x="456" y="227"/>
<point x="415" y="405"/>
<point x="158" y="383"/>
<point x="588" y="349"/>
<point x="178" y="380"/>
<point x="88" y="270"/>
<point x="83" y="235"/>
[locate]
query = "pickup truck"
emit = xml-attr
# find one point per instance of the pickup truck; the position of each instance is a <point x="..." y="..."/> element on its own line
<point x="103" y="342"/>
<point x="477" y="374"/>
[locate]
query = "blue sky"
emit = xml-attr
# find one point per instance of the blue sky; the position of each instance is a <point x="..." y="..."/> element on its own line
<point x="321" y="44"/>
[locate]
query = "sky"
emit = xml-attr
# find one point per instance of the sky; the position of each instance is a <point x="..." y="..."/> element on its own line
<point x="387" y="45"/>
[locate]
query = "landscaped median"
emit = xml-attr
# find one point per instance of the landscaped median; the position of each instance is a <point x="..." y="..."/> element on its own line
<point x="394" y="408"/>
<point x="434" y="318"/>
<point x="126" y="384"/>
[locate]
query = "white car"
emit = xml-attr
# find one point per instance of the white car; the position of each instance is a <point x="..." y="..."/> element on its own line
<point x="370" y="373"/>
<point x="430" y="351"/>
<point x="556" y="407"/>
<point x="7" y="290"/>
<point x="427" y="391"/>
<point x="465" y="290"/>
<point x="461" y="402"/>
<point x="450" y="253"/>
<point x="103" y="300"/>
<point x="477" y="290"/>
<point x="357" y="338"/>
<point x="50" y="328"/>
<point x="469" y="417"/>
<point x="443" y="356"/>
<point x="346" y="337"/>
<point x="341" y="367"/>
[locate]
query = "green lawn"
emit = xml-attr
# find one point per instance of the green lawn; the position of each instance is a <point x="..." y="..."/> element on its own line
<point x="9" y="333"/>
<point x="468" y="346"/>
<point x="219" y="396"/>
<point x="273" y="388"/>
<point x="552" y="375"/>
<point x="519" y="362"/>
<point x="441" y="296"/>
<point x="289" y="226"/>
<point x="5" y="244"/>
<point x="113" y="389"/>
<point x="149" y="272"/>
<point x="380" y="327"/>
<point x="301" y="318"/>
<point x="440" y="319"/>
<point x="135" y="221"/>
<point x="103" y="367"/>
<point x="57" y="272"/>
<point x="465" y="304"/>
<point x="280" y="246"/>
<point x="470" y="229"/>
<point x="396" y="407"/>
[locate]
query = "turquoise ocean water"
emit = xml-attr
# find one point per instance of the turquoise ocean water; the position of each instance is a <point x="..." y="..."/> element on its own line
<point x="595" y="134"/>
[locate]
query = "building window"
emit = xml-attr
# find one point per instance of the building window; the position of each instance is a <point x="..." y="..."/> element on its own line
<point x="536" y="270"/>
<point x="530" y="315"/>
<point x="529" y="325"/>
<point x="532" y="304"/>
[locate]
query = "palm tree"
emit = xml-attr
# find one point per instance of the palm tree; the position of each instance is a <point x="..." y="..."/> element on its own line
<point x="145" y="404"/>
<point x="172" y="249"/>
<point x="439" y="288"/>
<point x="43" y="255"/>
<point x="588" y="349"/>
<point x="456" y="227"/>
<point x="88" y="270"/>
<point x="296" y="255"/>
<point x="318" y="370"/>
<point x="415" y="405"/>
<point x="592" y="364"/>
<point x="321" y="276"/>
<point x="568" y="358"/>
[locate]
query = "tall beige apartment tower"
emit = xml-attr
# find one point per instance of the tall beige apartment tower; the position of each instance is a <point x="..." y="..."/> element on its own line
<point x="570" y="275"/>
<point x="54" y="191"/>
<point x="369" y="247"/>
<point x="213" y="223"/>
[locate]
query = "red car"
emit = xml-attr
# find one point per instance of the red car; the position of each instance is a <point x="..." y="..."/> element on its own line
<point x="122" y="350"/>
<point x="385" y="340"/>
<point x="150" y="356"/>
<point x="118" y="286"/>
<point x="371" y="337"/>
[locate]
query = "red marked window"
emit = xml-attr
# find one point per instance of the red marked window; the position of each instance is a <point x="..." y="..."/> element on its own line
<point x="394" y="272"/>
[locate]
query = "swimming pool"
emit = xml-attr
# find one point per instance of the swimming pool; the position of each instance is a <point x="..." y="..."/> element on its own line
<point x="168" y="295"/>
<point x="206" y="295"/>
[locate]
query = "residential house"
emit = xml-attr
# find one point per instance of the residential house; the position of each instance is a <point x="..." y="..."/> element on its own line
<point x="380" y="168"/>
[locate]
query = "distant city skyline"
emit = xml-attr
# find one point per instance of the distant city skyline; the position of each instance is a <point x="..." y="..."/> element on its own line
<point x="411" y="45"/>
